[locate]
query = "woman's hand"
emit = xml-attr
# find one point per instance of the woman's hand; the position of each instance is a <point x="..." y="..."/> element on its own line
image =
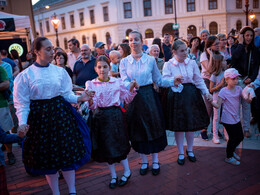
<point x="133" y="85"/>
<point x="209" y="97"/>
<point x="86" y="96"/>
<point x="178" y="79"/>
<point x="209" y="51"/>
<point x="252" y="86"/>
<point x="22" y="130"/>
<point x="240" y="39"/>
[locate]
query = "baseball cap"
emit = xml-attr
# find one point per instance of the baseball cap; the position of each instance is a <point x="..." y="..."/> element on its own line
<point x="99" y="44"/>
<point x="231" y="73"/>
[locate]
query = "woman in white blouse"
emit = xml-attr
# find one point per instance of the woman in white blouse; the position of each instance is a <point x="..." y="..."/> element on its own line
<point x="56" y="136"/>
<point x="144" y="115"/>
<point x="186" y="111"/>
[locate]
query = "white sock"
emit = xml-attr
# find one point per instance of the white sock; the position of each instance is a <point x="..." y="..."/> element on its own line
<point x="155" y="161"/>
<point x="190" y="138"/>
<point x="113" y="172"/>
<point x="144" y="160"/>
<point x="179" y="137"/>
<point x="69" y="177"/>
<point x="127" y="171"/>
<point x="53" y="181"/>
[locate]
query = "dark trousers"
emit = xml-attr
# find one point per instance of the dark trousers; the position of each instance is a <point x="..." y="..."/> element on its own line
<point x="236" y="136"/>
<point x="3" y="184"/>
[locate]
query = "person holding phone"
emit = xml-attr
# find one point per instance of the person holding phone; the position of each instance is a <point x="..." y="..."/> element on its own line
<point x="245" y="58"/>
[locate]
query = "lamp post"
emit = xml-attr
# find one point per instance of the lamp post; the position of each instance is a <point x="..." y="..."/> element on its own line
<point x="55" y="22"/>
<point x="249" y="13"/>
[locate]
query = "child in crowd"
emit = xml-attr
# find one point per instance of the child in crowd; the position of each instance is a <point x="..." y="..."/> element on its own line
<point x="110" y="141"/>
<point x="6" y="139"/>
<point x="231" y="96"/>
<point x="115" y="58"/>
<point x="218" y="66"/>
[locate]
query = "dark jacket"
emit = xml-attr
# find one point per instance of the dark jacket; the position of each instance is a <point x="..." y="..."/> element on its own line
<point x="240" y="61"/>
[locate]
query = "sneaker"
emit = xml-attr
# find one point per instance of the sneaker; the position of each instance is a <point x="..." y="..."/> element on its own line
<point x="204" y="135"/>
<point x="232" y="161"/>
<point x="236" y="156"/>
<point x="11" y="158"/>
<point x="247" y="134"/>
<point x="220" y="135"/>
<point x="215" y="140"/>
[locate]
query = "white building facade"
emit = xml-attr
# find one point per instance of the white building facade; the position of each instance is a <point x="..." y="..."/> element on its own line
<point x="110" y="21"/>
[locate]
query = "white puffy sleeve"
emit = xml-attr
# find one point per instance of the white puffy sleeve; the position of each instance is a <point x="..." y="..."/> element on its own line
<point x="123" y="73"/>
<point x="198" y="80"/>
<point x="21" y="97"/>
<point x="66" y="88"/>
<point x="158" y="79"/>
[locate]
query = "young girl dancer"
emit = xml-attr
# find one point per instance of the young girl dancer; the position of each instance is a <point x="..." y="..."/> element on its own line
<point x="216" y="83"/>
<point x="58" y="138"/>
<point x="144" y="115"/>
<point x="110" y="142"/>
<point x="186" y="111"/>
<point x="231" y="96"/>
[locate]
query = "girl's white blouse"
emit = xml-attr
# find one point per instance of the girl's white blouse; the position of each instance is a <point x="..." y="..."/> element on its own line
<point x="36" y="83"/>
<point x="189" y="71"/>
<point x="144" y="71"/>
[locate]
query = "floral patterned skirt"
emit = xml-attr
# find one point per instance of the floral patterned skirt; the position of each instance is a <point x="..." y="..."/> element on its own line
<point x="54" y="140"/>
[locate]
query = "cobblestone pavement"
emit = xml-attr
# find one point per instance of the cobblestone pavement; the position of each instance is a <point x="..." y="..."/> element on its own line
<point x="209" y="175"/>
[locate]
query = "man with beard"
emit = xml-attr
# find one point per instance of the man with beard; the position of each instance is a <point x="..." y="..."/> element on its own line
<point x="84" y="68"/>
<point x="167" y="47"/>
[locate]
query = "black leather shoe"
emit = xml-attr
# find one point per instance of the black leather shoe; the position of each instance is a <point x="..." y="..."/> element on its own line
<point x="144" y="171"/>
<point x="121" y="182"/>
<point x="113" y="185"/>
<point x="181" y="161"/>
<point x="155" y="171"/>
<point x="191" y="158"/>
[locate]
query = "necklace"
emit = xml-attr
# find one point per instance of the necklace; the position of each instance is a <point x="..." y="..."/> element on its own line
<point x="137" y="56"/>
<point x="103" y="80"/>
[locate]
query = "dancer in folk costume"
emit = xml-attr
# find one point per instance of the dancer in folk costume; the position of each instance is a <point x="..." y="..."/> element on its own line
<point x="186" y="110"/>
<point x="57" y="137"/>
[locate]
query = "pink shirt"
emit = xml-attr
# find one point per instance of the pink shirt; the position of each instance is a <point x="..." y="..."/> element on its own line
<point x="110" y="93"/>
<point x="189" y="71"/>
<point x="231" y="105"/>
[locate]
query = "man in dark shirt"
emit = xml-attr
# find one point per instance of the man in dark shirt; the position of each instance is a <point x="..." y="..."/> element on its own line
<point x="4" y="57"/>
<point x="167" y="47"/>
<point x="84" y="68"/>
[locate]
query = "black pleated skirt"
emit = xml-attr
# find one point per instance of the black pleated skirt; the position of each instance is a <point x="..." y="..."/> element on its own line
<point x="145" y="122"/>
<point x="110" y="142"/>
<point x="186" y="111"/>
<point x="54" y="140"/>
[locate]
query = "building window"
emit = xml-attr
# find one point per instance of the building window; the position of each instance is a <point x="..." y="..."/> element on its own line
<point x="41" y="28"/>
<point x="254" y="24"/>
<point x="238" y="25"/>
<point x="84" y="40"/>
<point x="147" y="8"/>
<point x="81" y="19"/>
<point x="47" y="26"/>
<point x="72" y="22"/>
<point x="3" y="3"/>
<point x="238" y="4"/>
<point x="94" y="39"/>
<point x="192" y="30"/>
<point x="190" y="5"/>
<point x="168" y="6"/>
<point x="213" y="4"/>
<point x="65" y="43"/>
<point x="149" y="33"/>
<point x="255" y="3"/>
<point x="213" y="28"/>
<point x="63" y="24"/>
<point x="108" y="38"/>
<point x="92" y="16"/>
<point x="105" y="14"/>
<point x="127" y="10"/>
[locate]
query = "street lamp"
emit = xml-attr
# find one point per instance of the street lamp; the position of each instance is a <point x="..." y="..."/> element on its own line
<point x="55" y="22"/>
<point x="249" y="13"/>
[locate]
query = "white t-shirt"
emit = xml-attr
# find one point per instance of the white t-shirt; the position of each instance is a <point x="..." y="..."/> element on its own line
<point x="204" y="73"/>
